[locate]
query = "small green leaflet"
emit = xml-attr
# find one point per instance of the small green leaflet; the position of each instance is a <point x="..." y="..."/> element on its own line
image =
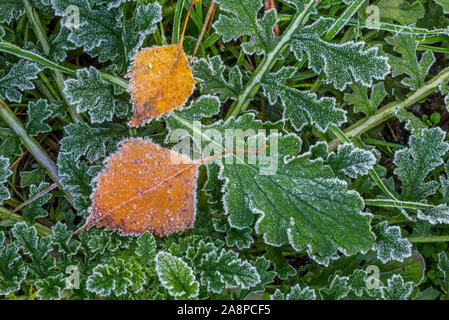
<point x="10" y="9"/>
<point x="176" y="276"/>
<point x="397" y="288"/>
<point x="360" y="100"/>
<point x="351" y="161"/>
<point x="146" y="247"/>
<point x="38" y="112"/>
<point x="337" y="290"/>
<point x="34" y="209"/>
<point x="296" y="293"/>
<point x="444" y="4"/>
<point x="406" y="45"/>
<point x="4" y="174"/>
<point x="18" y="79"/>
<point x="427" y="147"/>
<point x="389" y="243"/>
<point x="12" y="269"/>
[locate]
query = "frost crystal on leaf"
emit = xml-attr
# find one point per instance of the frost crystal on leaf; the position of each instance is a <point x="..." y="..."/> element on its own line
<point x="18" y="79"/>
<point x="360" y="100"/>
<point x="10" y="9"/>
<point x="397" y="288"/>
<point x="352" y="161"/>
<point x="389" y="243"/>
<point x="4" y="174"/>
<point x="176" y="276"/>
<point x="296" y="293"/>
<point x="337" y="290"/>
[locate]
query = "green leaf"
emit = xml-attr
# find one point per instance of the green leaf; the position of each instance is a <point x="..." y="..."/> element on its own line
<point x="438" y="214"/>
<point x="50" y="288"/>
<point x="176" y="276"/>
<point x="62" y="238"/>
<point x="60" y="44"/>
<point x="351" y="161"/>
<point x="444" y="4"/>
<point x="389" y="243"/>
<point x="401" y="11"/>
<point x="92" y="141"/>
<point x="443" y="265"/>
<point x="241" y="18"/>
<point x="357" y="281"/>
<point x="89" y="92"/>
<point x="10" y="9"/>
<point x="240" y="238"/>
<point x="281" y="266"/>
<point x="340" y="62"/>
<point x="4" y="174"/>
<point x="34" y="209"/>
<point x="406" y="45"/>
<point x="38" y="112"/>
<point x="18" y="79"/>
<point x="296" y="293"/>
<point x="360" y="100"/>
<point x="397" y="289"/>
<point x="212" y="81"/>
<point x="262" y="265"/>
<point x="28" y="178"/>
<point x="146" y="247"/>
<point x="297" y="104"/>
<point x="12" y="269"/>
<point x="413" y="164"/>
<point x="337" y="290"/>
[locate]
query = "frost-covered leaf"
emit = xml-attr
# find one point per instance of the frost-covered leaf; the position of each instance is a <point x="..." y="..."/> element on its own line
<point x="60" y="44"/>
<point x="210" y="74"/>
<point x="176" y="276"/>
<point x="443" y="265"/>
<point x="19" y="78"/>
<point x="262" y="265"/>
<point x="34" y="209"/>
<point x="357" y="281"/>
<point x="12" y="269"/>
<point x="89" y="92"/>
<point x="146" y="247"/>
<point x="62" y="238"/>
<point x="296" y="293"/>
<point x="240" y="238"/>
<point x="4" y="174"/>
<point x="92" y="141"/>
<point x="401" y="11"/>
<point x="337" y="290"/>
<point x="352" y="161"/>
<point x="281" y="265"/>
<point x="241" y="18"/>
<point x="438" y="214"/>
<point x="38" y="112"/>
<point x="340" y="62"/>
<point x="360" y="100"/>
<point x="397" y="288"/>
<point x="389" y="243"/>
<point x="10" y="9"/>
<point x="406" y="45"/>
<point x="426" y="150"/>
<point x="51" y="288"/>
<point x="297" y="103"/>
<point x="28" y="178"/>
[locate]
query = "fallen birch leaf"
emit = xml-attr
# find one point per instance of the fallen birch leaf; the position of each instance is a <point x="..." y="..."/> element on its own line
<point x="145" y="187"/>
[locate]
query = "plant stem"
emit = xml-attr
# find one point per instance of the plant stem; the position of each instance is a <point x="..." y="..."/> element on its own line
<point x="430" y="239"/>
<point x="40" y="228"/>
<point x="33" y="147"/>
<point x="343" y="19"/>
<point x="388" y="111"/>
<point x="42" y="37"/>
<point x="397" y="204"/>
<point x="267" y="63"/>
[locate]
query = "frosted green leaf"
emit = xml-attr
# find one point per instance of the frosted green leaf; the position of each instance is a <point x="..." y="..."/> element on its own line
<point x="389" y="243"/>
<point x="4" y="174"/>
<point x="301" y="107"/>
<point x="10" y="9"/>
<point x="92" y="141"/>
<point x="281" y="266"/>
<point x="412" y="123"/>
<point x="262" y="265"/>
<point x="60" y="44"/>
<point x="438" y="214"/>
<point x="146" y="247"/>
<point x="357" y="281"/>
<point x="397" y="288"/>
<point x="212" y="81"/>
<point x="413" y="164"/>
<point x="443" y="265"/>
<point x="296" y="293"/>
<point x="240" y="238"/>
<point x="28" y="178"/>
<point x="444" y="4"/>
<point x="101" y="281"/>
<point x="18" y="79"/>
<point x="12" y="269"/>
<point x="74" y="175"/>
<point x="351" y="161"/>
<point x="89" y="92"/>
<point x="176" y="276"/>
<point x="51" y="288"/>
<point x="337" y="290"/>
<point x="360" y="100"/>
<point x="62" y="238"/>
<point x="34" y="209"/>
<point x="242" y="19"/>
<point x="401" y="11"/>
<point x="340" y="62"/>
<point x="406" y="45"/>
<point x="38" y="112"/>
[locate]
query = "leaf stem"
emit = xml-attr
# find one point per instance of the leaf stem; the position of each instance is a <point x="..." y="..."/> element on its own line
<point x="397" y="204"/>
<point x="389" y="110"/>
<point x="343" y="19"/>
<point x="268" y="62"/>
<point x="431" y="239"/>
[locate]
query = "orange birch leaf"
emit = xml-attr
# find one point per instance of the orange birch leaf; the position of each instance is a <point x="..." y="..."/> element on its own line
<point x="145" y="187"/>
<point x="161" y="80"/>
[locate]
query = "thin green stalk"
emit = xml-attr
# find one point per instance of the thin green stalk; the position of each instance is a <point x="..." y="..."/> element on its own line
<point x="389" y="203"/>
<point x="268" y="61"/>
<point x="389" y="110"/>
<point x="33" y="146"/>
<point x="430" y="239"/>
<point x="343" y="19"/>
<point x="40" y="228"/>
<point x="42" y="37"/>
